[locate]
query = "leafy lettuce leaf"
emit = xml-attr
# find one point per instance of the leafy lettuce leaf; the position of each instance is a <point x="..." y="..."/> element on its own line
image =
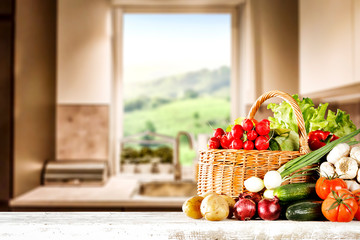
<point x="339" y="124"/>
<point x="284" y="140"/>
<point x="314" y="118"/>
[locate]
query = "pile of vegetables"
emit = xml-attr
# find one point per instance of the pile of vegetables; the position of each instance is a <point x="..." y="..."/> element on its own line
<point x="272" y="180"/>
<point x="336" y="194"/>
<point x="343" y="161"/>
<point x="280" y="132"/>
<point x="248" y="135"/>
<point x="211" y="206"/>
<point x="296" y="164"/>
<point x="330" y="197"/>
<point x="215" y="207"/>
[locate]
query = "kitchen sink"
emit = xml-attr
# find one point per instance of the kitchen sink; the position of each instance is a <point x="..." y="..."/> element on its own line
<point x="167" y="189"/>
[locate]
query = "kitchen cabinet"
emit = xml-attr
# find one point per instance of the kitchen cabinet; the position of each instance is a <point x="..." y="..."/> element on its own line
<point x="329" y="45"/>
<point x="6" y="7"/>
<point x="6" y="93"/>
<point x="161" y="225"/>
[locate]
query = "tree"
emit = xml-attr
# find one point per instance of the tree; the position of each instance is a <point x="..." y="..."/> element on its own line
<point x="189" y="93"/>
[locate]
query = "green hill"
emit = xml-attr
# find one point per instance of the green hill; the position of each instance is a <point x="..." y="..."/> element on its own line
<point x="198" y="115"/>
<point x="204" y="82"/>
<point x="193" y="115"/>
<point x="195" y="102"/>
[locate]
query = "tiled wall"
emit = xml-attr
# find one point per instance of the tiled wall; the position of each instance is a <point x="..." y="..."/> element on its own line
<point x="82" y="132"/>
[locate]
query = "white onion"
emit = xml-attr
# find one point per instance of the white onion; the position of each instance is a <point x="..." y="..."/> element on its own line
<point x="269" y="194"/>
<point x="272" y="179"/>
<point x="254" y="184"/>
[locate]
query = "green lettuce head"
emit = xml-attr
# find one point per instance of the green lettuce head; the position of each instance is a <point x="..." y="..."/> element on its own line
<point x="314" y="118"/>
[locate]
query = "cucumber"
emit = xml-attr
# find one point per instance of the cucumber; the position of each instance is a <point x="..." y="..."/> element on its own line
<point x="295" y="191"/>
<point x="305" y="211"/>
<point x="285" y="205"/>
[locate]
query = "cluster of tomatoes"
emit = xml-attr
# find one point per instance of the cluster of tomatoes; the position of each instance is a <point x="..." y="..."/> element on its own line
<point x="249" y="135"/>
<point x="339" y="205"/>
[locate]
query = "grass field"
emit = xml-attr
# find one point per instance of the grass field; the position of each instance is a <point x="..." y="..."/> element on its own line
<point x="198" y="115"/>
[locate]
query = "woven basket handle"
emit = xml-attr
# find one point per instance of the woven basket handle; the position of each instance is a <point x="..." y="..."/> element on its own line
<point x="303" y="143"/>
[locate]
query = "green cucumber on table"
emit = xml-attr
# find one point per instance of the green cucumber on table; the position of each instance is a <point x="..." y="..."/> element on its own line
<point x="295" y="191"/>
<point x="305" y="211"/>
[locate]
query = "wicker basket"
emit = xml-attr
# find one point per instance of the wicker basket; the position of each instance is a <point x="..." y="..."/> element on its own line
<point x="224" y="170"/>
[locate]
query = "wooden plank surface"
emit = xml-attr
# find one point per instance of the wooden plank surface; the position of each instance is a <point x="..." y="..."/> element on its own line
<point x="160" y="225"/>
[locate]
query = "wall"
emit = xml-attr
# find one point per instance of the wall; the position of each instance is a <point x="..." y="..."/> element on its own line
<point x="271" y="34"/>
<point x="327" y="43"/>
<point x="35" y="72"/>
<point x="276" y="32"/>
<point x="84" y="52"/>
<point x="329" y="49"/>
<point x="84" y="79"/>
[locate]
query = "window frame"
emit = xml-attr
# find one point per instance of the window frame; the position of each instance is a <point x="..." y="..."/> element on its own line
<point x="116" y="106"/>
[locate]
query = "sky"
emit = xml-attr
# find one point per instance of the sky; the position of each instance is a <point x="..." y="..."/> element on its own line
<point x="159" y="45"/>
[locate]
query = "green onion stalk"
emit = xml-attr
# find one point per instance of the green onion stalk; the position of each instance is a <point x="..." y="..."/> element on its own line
<point x="313" y="157"/>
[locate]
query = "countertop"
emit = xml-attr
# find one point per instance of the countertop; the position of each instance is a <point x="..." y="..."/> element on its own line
<point x="117" y="192"/>
<point x="160" y="225"/>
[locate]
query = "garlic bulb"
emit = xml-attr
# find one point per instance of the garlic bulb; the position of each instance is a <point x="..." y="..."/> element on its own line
<point x="339" y="151"/>
<point x="355" y="153"/>
<point x="352" y="185"/>
<point x="327" y="169"/>
<point x="346" y="168"/>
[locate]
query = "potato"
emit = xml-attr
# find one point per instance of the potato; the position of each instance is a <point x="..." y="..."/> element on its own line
<point x="231" y="203"/>
<point x="214" y="208"/>
<point x="191" y="207"/>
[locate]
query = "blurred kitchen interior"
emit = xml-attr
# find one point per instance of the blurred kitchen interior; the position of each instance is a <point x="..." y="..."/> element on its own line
<point x="56" y="73"/>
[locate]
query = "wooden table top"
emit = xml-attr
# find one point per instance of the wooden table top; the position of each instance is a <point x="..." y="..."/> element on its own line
<point x="160" y="225"/>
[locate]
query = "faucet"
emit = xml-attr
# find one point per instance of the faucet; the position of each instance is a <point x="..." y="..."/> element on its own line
<point x="177" y="165"/>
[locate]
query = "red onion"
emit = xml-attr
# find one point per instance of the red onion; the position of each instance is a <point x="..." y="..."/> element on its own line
<point x="269" y="209"/>
<point x="244" y="209"/>
<point x="256" y="197"/>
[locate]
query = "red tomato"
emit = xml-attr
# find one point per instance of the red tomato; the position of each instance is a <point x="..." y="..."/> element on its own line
<point x="339" y="206"/>
<point x="357" y="198"/>
<point x="324" y="186"/>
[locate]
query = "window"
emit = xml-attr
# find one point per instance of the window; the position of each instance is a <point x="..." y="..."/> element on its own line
<point x="121" y="16"/>
<point x="176" y="76"/>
